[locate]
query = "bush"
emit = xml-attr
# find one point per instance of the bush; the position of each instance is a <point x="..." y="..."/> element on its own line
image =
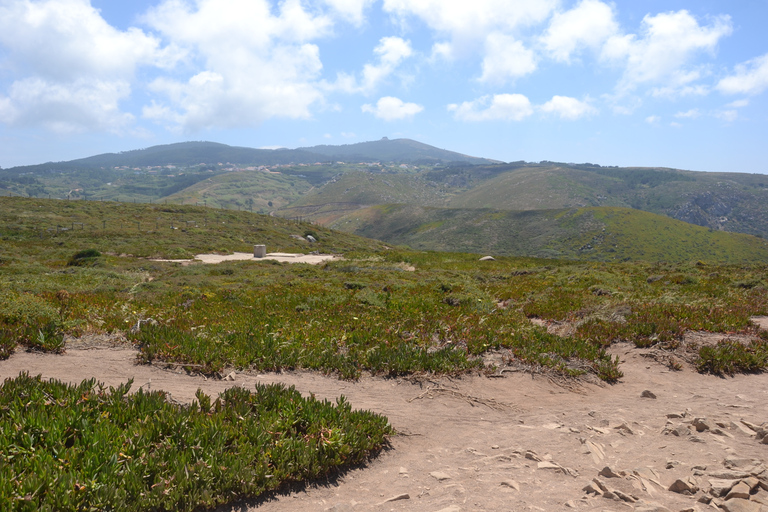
<point x="84" y="258"/>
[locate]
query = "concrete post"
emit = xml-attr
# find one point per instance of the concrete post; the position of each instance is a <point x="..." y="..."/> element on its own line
<point x="259" y="251"/>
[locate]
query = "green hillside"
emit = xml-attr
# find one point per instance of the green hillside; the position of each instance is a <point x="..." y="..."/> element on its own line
<point x="594" y="233"/>
<point x="397" y="150"/>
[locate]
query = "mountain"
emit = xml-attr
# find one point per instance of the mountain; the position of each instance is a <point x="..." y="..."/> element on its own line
<point x="594" y="233"/>
<point x="212" y="153"/>
<point x="398" y="150"/>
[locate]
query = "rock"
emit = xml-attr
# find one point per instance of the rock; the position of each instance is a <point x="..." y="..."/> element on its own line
<point x="511" y="483"/>
<point x="452" y="508"/>
<point x="592" y="488"/>
<point x="719" y="487"/>
<point x="440" y="476"/>
<point x="740" y="462"/>
<point x="696" y="439"/>
<point x="487" y="258"/>
<point x="720" y="432"/>
<point x="549" y="465"/>
<point x="532" y="456"/>
<point x="729" y="474"/>
<point x="739" y="491"/>
<point x="403" y="471"/>
<point x="570" y="504"/>
<point x="752" y="482"/>
<point x="680" y="431"/>
<point x="739" y="505"/>
<point x="647" y="394"/>
<point x="311" y="239"/>
<point x="701" y="424"/>
<point x="650" y="507"/>
<point x="230" y="377"/>
<point x="624" y="429"/>
<point x="671" y="464"/>
<point x="340" y="507"/>
<point x="608" y="472"/>
<point x="399" y="497"/>
<point x="685" y="485"/>
<point x="624" y="497"/>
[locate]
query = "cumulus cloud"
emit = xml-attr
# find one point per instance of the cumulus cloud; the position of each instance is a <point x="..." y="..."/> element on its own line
<point x="64" y="108"/>
<point x="256" y="62"/>
<point x="661" y="55"/>
<point x="391" y="52"/>
<point x="568" y="108"/>
<point x="73" y="67"/>
<point x="389" y="108"/>
<point x="506" y="59"/>
<point x="653" y="119"/>
<point x="499" y="107"/>
<point x="588" y="25"/>
<point x="461" y="19"/>
<point x="351" y="10"/>
<point x="750" y="77"/>
<point x="689" y="114"/>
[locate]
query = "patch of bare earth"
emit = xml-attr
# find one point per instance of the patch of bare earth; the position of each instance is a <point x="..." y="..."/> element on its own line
<point x="519" y="442"/>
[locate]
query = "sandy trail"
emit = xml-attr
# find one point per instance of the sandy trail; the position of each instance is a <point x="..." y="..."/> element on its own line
<point x="464" y="441"/>
<point x="283" y="257"/>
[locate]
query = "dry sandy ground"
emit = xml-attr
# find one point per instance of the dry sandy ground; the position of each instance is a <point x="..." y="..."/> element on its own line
<point x="473" y="443"/>
<point x="283" y="257"/>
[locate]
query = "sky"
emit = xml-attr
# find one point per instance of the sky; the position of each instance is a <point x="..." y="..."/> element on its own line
<point x="671" y="83"/>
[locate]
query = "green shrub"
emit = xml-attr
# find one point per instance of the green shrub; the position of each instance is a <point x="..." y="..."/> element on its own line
<point x="84" y="258"/>
<point x="84" y="447"/>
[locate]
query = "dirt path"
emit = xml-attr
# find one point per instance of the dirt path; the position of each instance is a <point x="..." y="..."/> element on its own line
<point x="283" y="257"/>
<point x="473" y="443"/>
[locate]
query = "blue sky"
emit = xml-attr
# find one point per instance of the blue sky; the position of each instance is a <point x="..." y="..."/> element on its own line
<point x="654" y="83"/>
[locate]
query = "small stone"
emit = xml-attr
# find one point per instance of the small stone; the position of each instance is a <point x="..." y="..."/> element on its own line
<point x="440" y="476"/>
<point x="570" y="504"/>
<point x="592" y="488"/>
<point x="399" y="497"/>
<point x="511" y="484"/>
<point x="624" y="497"/>
<point x="549" y="465"/>
<point x="727" y="474"/>
<point x="701" y="424"/>
<point x="624" y="428"/>
<point x="685" y="485"/>
<point x="403" y="471"/>
<point x="532" y="456"/>
<point x="647" y="394"/>
<point x="495" y="447"/>
<point x="487" y="258"/>
<point x="740" y="462"/>
<point x="740" y="491"/>
<point x="671" y="464"/>
<point x="696" y="439"/>
<point x="452" y="508"/>
<point x="608" y="472"/>
<point x="681" y="431"/>
<point x="675" y="415"/>
<point x="752" y="482"/>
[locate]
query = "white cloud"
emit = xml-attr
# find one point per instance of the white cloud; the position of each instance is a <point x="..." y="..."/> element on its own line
<point x="506" y="59"/>
<point x="81" y="105"/>
<point x="661" y="56"/>
<point x="462" y="19"/>
<point x="690" y="114"/>
<point x="568" y="108"/>
<point x="750" y="77"/>
<point x="73" y="68"/>
<point x="728" y="116"/>
<point x="652" y="119"/>
<point x="738" y="104"/>
<point x="255" y="62"/>
<point x="389" y="108"/>
<point x="391" y="52"/>
<point x="588" y="25"/>
<point x="351" y="10"/>
<point x="442" y="50"/>
<point x="500" y="107"/>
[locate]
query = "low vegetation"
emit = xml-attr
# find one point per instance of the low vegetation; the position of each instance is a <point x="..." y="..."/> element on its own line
<point x="85" y="447"/>
<point x="379" y="311"/>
